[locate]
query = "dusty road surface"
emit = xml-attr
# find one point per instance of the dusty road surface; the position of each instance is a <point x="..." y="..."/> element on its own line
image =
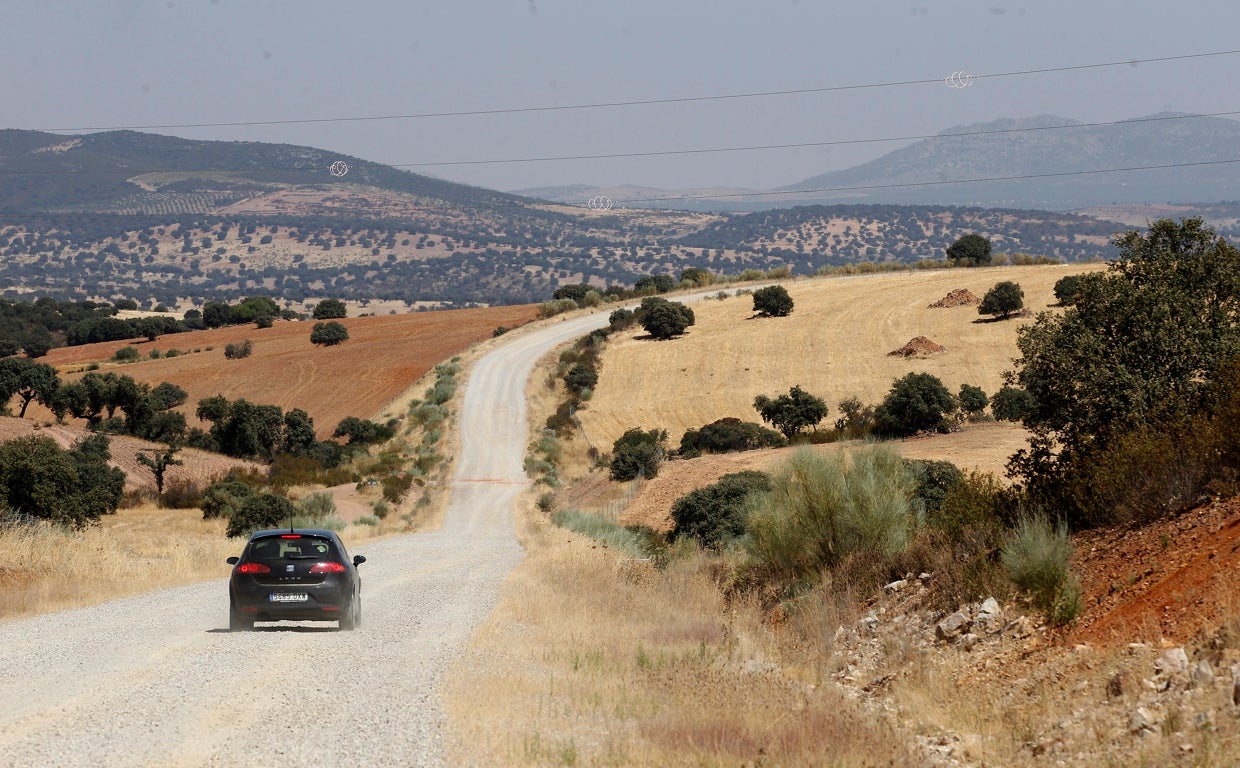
<point x="158" y="680"/>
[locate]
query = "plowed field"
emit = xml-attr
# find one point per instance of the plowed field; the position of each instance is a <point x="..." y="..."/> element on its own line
<point x="381" y="359"/>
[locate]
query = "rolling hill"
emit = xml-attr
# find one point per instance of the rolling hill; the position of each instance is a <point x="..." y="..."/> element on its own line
<point x="170" y="221"/>
<point x="1033" y="148"/>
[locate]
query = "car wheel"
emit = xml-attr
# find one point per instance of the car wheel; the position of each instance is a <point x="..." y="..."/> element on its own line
<point x="351" y="619"/>
<point x="237" y="621"/>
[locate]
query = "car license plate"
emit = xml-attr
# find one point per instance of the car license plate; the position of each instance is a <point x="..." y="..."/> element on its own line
<point x="289" y="597"/>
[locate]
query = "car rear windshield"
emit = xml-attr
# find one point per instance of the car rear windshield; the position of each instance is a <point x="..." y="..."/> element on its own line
<point x="290" y="547"/>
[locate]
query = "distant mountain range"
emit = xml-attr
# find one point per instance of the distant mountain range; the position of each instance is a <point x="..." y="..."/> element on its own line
<point x="1028" y="157"/>
<point x="132" y="172"/>
<point x="165" y="220"/>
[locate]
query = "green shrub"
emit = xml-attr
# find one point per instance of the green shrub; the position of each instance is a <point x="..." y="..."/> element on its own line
<point x="555" y="307"/>
<point x="1012" y="404"/>
<point x="973" y="400"/>
<point x="726" y="435"/>
<point x="369" y="520"/>
<point x="224" y="498"/>
<point x="1004" y="299"/>
<point x="716" y="514"/>
<point x="637" y="454"/>
<point x="546" y="502"/>
<point x="263" y="510"/>
<point x="1036" y="556"/>
<point x="933" y="481"/>
<point x="664" y="319"/>
<point x="126" y="354"/>
<point x="580" y="378"/>
<point x="824" y="507"/>
<point x="316" y="505"/>
<point x="916" y="402"/>
<point x="381" y="508"/>
<point x="856" y="419"/>
<point x="772" y="301"/>
<point x="395" y="487"/>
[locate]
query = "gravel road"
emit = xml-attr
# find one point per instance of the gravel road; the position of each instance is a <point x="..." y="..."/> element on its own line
<point x="158" y="680"/>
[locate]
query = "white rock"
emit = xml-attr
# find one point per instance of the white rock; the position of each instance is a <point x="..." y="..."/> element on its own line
<point x="990" y="616"/>
<point x="1203" y="673"/>
<point x="1141" y="721"/>
<point x="952" y="627"/>
<point x="896" y="586"/>
<point x="968" y="640"/>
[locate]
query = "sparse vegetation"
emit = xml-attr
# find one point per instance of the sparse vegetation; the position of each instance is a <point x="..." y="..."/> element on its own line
<point x="792" y="412"/>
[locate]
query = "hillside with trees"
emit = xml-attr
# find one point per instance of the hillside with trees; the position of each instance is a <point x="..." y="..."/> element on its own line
<point x="161" y="220"/>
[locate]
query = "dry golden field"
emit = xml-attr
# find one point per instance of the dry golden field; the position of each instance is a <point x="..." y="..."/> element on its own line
<point x="834" y="345"/>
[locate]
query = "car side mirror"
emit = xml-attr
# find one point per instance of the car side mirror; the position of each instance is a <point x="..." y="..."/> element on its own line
<point x="232" y="560"/>
<point x="359" y="559"/>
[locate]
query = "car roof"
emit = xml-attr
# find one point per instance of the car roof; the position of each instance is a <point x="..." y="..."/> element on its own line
<point x="321" y="532"/>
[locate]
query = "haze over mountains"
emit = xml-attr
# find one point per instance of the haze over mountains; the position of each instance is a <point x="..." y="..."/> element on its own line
<point x="175" y="221"/>
<point x="1036" y="148"/>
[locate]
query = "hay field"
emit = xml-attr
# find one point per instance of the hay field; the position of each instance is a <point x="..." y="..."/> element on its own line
<point x="834" y="345"/>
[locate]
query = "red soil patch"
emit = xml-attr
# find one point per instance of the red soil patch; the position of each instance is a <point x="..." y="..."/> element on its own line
<point x="961" y="297"/>
<point x="383" y="356"/>
<point x="917" y="347"/>
<point x="1174" y="579"/>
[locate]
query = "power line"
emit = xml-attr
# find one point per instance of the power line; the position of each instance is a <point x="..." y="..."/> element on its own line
<point x="635" y="102"/>
<point x="669" y="152"/>
<point x="806" y="144"/>
<point x="897" y="185"/>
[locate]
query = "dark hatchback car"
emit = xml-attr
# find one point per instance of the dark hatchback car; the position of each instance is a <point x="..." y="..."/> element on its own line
<point x="294" y="575"/>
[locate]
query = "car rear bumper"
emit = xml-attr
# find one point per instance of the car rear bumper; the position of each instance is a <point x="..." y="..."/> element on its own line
<point x="324" y="602"/>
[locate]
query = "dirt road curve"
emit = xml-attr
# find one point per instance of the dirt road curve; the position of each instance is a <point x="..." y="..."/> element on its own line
<point x="157" y="679"/>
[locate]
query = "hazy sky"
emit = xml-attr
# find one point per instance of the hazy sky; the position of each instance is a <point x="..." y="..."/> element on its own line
<point x="80" y="64"/>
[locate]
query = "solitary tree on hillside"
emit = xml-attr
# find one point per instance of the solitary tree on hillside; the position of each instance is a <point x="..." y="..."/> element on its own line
<point x="158" y="462"/>
<point x="664" y="319"/>
<point x="772" y="301"/>
<point x="916" y="402"/>
<point x="328" y="334"/>
<point x="792" y="412"/>
<point x="970" y="251"/>
<point x="1003" y="300"/>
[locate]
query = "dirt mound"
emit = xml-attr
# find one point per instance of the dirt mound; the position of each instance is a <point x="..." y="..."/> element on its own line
<point x="917" y="347"/>
<point x="961" y="297"/>
<point x="1172" y="579"/>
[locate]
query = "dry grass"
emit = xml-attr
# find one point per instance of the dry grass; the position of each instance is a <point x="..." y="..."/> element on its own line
<point x="834" y="345"/>
<point x="47" y="568"/>
<point x="594" y="659"/>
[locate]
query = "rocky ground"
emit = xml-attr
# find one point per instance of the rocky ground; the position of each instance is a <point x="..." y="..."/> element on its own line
<point x="1149" y="674"/>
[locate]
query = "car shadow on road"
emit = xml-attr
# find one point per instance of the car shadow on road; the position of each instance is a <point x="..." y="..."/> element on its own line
<point x="274" y="628"/>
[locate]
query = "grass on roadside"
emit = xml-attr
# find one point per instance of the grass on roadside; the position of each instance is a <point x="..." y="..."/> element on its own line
<point x="47" y="568"/>
<point x="593" y="657"/>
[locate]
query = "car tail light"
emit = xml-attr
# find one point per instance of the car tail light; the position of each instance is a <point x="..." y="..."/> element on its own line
<point x="328" y="568"/>
<point x="290" y="535"/>
<point x="253" y="568"/>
